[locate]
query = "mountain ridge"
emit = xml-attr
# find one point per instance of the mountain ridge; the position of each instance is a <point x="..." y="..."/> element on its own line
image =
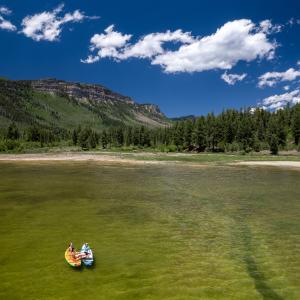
<point x="53" y="102"/>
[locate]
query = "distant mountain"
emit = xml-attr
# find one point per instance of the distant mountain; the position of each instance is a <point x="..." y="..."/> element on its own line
<point x="61" y="104"/>
<point x="189" y="117"/>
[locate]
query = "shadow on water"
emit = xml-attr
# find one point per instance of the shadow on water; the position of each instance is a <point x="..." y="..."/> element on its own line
<point x="76" y="269"/>
<point x="257" y="275"/>
<point x="83" y="268"/>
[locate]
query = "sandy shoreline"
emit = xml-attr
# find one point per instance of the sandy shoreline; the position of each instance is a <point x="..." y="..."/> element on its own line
<point x="95" y="157"/>
<point x="119" y="159"/>
<point x="288" y="164"/>
<point x="72" y="157"/>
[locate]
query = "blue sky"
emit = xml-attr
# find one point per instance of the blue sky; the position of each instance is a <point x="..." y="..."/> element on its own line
<point x="171" y="53"/>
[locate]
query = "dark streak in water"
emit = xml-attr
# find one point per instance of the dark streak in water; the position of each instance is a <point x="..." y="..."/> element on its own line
<point x="257" y="275"/>
<point x="259" y="280"/>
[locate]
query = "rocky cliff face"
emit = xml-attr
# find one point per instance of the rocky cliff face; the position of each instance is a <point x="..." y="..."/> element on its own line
<point x="79" y="91"/>
<point x="62" y="104"/>
<point x="89" y="93"/>
<point x="152" y="109"/>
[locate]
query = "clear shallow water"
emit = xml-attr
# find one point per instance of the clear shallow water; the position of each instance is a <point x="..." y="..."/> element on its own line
<point x="158" y="232"/>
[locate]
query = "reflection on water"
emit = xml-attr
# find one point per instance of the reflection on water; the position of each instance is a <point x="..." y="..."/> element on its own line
<point x="158" y="232"/>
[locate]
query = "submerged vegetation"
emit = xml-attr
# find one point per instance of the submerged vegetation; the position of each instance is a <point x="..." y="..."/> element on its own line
<point x="157" y="231"/>
<point x="231" y="131"/>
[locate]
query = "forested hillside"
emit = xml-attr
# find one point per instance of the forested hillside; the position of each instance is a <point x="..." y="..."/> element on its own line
<point x="232" y="130"/>
<point x="61" y="106"/>
<point x="52" y="112"/>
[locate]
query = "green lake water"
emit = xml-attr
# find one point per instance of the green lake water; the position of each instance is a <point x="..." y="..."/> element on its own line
<point x="158" y="232"/>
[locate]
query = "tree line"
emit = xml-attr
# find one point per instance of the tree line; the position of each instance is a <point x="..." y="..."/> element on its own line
<point x="232" y="130"/>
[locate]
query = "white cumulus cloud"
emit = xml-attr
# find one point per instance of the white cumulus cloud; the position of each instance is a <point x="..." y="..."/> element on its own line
<point x="276" y="102"/>
<point x="152" y="44"/>
<point x="233" y="42"/>
<point x="231" y="79"/>
<point x="5" y="11"/>
<point x="115" y="44"/>
<point x="293" y="21"/>
<point x="48" y="24"/>
<point x="107" y="44"/>
<point x="239" y="40"/>
<point x="272" y="78"/>
<point x="5" y="24"/>
<point x="267" y="27"/>
<point x="90" y="59"/>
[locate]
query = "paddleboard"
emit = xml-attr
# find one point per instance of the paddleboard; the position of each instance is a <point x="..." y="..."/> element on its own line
<point x="88" y="257"/>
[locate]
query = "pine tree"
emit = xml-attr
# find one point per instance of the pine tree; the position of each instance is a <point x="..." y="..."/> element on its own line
<point x="245" y="134"/>
<point x="199" y="134"/>
<point x="274" y="144"/>
<point x="74" y="137"/>
<point x="33" y="134"/>
<point x="136" y="136"/>
<point x="229" y="121"/>
<point x="92" y="139"/>
<point x="178" y="135"/>
<point x="128" y="136"/>
<point x="281" y="129"/>
<point x="104" y="139"/>
<point x="84" y="138"/>
<point x="13" y="132"/>
<point x="142" y="136"/>
<point x="296" y="124"/>
<point x="210" y="131"/>
<point x="187" y="135"/>
<point x="119" y="137"/>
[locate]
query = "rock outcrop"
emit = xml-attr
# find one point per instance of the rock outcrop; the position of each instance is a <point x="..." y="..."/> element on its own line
<point x="79" y="91"/>
<point x="57" y="103"/>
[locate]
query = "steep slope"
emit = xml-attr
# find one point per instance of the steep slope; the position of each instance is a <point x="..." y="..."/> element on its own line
<point x="61" y="104"/>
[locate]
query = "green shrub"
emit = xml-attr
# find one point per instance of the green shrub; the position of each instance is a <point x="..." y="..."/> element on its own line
<point x="2" y="146"/>
<point x="221" y="147"/>
<point x="256" y="145"/>
<point x="9" y="145"/>
<point x="248" y="149"/>
<point x="171" y="148"/>
<point x="233" y="147"/>
<point x="264" y="146"/>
